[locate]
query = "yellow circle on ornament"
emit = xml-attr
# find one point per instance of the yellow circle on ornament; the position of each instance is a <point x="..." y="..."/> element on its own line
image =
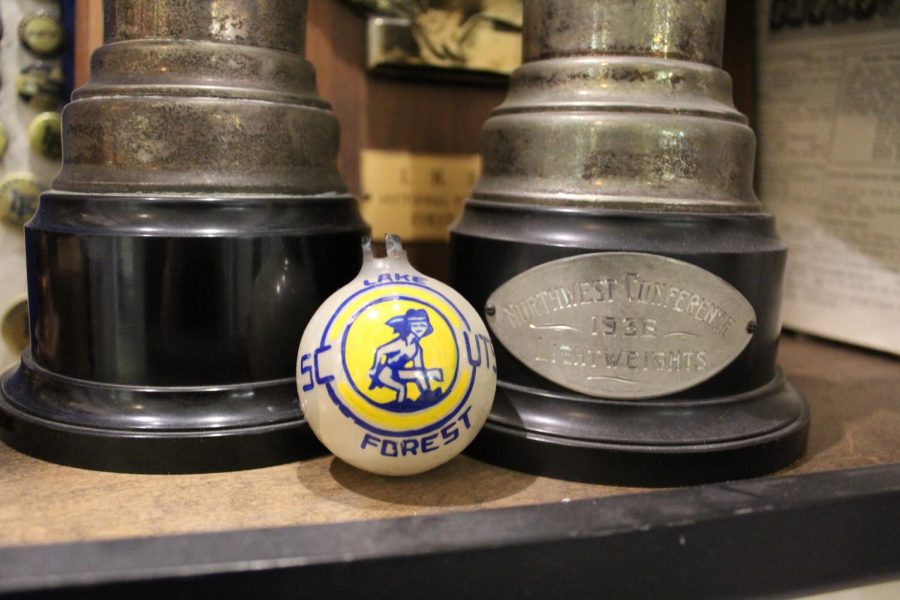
<point x="408" y="395"/>
<point x="396" y="372"/>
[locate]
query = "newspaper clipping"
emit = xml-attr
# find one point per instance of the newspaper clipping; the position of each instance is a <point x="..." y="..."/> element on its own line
<point x="829" y="108"/>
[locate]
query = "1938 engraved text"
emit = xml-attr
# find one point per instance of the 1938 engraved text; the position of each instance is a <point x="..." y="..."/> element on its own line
<point x="621" y="324"/>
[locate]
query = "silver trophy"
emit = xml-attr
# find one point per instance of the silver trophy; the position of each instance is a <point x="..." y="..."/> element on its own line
<point x="630" y="278"/>
<point x="197" y="223"/>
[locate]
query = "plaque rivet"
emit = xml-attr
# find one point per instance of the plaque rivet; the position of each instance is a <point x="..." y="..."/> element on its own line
<point x="489" y="310"/>
<point x="751" y="326"/>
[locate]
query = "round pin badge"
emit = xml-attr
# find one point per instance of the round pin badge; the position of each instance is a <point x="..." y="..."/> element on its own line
<point x="19" y="197"/>
<point x="4" y="139"/>
<point x="42" y="34"/>
<point x="396" y="371"/>
<point x="14" y="324"/>
<point x="45" y="134"/>
<point x="40" y="84"/>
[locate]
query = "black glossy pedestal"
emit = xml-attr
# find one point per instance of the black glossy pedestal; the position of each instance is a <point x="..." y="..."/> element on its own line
<point x="743" y="422"/>
<point x="96" y="426"/>
<point x="164" y="331"/>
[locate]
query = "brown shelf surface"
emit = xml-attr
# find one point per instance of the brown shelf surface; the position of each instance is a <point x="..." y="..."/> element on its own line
<point x="854" y="396"/>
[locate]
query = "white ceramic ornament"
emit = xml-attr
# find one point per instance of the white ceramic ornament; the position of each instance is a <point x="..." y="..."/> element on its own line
<point x="396" y="371"/>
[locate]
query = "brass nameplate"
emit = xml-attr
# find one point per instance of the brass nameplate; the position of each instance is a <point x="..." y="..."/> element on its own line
<point x="621" y="325"/>
<point x="415" y="196"/>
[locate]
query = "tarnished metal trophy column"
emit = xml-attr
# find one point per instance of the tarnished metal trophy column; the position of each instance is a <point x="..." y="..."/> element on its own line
<point x="630" y="279"/>
<point x="197" y="223"/>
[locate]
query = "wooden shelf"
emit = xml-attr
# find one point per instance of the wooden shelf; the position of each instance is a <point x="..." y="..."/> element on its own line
<point x="855" y="423"/>
<point x="67" y="527"/>
<point x="320" y="528"/>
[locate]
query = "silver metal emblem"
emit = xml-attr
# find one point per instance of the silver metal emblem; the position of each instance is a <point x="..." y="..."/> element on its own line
<point x="621" y="324"/>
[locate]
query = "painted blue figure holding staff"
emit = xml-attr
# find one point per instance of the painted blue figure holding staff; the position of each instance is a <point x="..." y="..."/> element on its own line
<point x="401" y="360"/>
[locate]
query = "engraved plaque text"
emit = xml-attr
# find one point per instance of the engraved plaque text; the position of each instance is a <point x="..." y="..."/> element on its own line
<point x="620" y="324"/>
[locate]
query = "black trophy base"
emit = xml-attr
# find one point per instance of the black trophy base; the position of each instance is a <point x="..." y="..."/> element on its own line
<point x="103" y="427"/>
<point x="164" y="330"/>
<point x="651" y="444"/>
<point x="743" y="422"/>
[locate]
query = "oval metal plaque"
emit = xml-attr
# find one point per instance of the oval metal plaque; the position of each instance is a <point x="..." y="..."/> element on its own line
<point x="621" y="324"/>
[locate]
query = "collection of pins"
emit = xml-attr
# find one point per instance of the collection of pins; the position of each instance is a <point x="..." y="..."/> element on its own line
<point x="32" y="38"/>
<point x="31" y="96"/>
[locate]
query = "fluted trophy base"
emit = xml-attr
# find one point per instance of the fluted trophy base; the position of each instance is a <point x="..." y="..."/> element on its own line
<point x="164" y="330"/>
<point x="744" y="421"/>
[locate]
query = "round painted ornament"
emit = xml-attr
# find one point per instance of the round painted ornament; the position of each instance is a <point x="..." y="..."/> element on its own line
<point x="396" y="372"/>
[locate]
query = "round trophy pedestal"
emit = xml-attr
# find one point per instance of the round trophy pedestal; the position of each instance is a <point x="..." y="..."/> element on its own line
<point x="197" y="223"/>
<point x="743" y="421"/>
<point x="164" y="330"/>
<point x="667" y="443"/>
<point x="96" y="426"/>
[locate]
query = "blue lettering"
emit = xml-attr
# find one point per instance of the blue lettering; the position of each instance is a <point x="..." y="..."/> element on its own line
<point x="464" y="417"/>
<point x="319" y="378"/>
<point x="421" y="445"/>
<point x="369" y="440"/>
<point x="389" y="277"/>
<point x="428" y="444"/>
<point x="306" y="370"/>
<point x="409" y="447"/>
<point x="450" y="433"/>
<point x="486" y="356"/>
<point x="388" y="448"/>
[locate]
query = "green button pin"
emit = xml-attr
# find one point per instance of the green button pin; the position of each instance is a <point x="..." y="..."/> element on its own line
<point x="19" y="197"/>
<point x="14" y="324"/>
<point x="45" y="134"/>
<point x="4" y="140"/>
<point x="42" y="34"/>
<point x="40" y="84"/>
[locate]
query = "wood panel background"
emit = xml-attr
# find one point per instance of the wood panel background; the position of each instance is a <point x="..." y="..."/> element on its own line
<point x="88" y="35"/>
